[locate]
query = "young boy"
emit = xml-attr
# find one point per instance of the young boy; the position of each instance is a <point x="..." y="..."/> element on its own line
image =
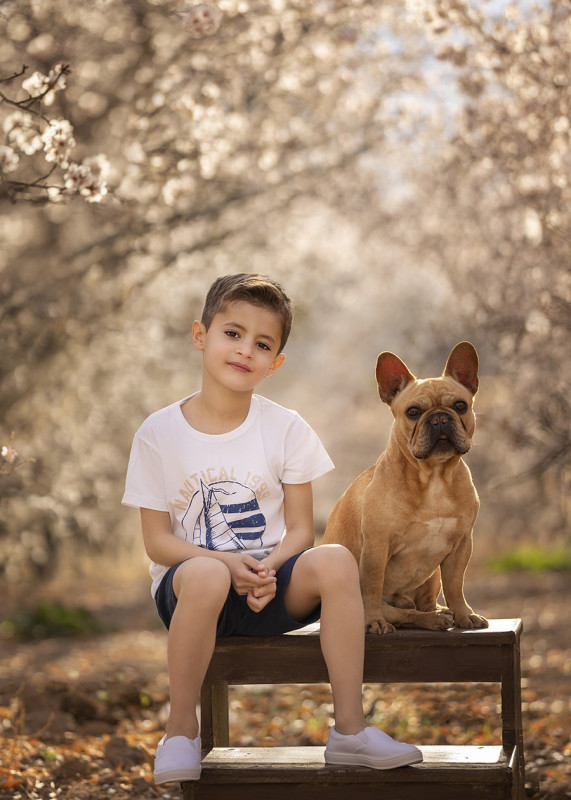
<point x="223" y="483"/>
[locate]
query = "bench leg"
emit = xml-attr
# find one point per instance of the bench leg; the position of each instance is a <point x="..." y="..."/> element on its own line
<point x="512" y="725"/>
<point x="214" y="728"/>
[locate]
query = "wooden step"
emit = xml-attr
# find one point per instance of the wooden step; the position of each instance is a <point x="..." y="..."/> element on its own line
<point x="300" y="773"/>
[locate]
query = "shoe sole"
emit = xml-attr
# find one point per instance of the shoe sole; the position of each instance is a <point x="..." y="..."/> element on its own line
<point x="176" y="775"/>
<point x="356" y="760"/>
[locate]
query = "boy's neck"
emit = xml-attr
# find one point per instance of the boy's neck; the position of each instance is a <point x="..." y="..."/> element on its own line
<point x="216" y="415"/>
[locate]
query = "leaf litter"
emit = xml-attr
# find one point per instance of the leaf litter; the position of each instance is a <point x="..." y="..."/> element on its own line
<point x="80" y="719"/>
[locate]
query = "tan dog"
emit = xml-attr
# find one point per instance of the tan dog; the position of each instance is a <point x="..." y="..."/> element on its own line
<point x="408" y="519"/>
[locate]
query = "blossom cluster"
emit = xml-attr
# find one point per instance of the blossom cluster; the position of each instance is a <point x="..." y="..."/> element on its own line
<point x="8" y="454"/>
<point x="27" y="132"/>
<point x="9" y="159"/>
<point x="201" y="20"/>
<point x="46" y="86"/>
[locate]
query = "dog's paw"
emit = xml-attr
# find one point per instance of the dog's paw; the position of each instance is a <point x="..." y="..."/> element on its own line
<point x="379" y="626"/>
<point x="470" y="620"/>
<point x="439" y="620"/>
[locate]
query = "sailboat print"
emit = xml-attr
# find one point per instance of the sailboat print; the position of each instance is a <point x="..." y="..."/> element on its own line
<point x="224" y="515"/>
<point x="218" y="533"/>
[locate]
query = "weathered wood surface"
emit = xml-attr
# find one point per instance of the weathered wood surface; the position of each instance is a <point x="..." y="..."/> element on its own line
<point x="448" y="773"/>
<point x="400" y="657"/>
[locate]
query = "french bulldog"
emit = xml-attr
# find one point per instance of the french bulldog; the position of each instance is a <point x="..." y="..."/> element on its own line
<point x="408" y="519"/>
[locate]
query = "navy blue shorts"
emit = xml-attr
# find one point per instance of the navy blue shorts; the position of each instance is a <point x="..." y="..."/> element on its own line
<point x="236" y="617"/>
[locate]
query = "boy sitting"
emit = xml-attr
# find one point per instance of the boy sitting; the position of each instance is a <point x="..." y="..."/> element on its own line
<point x="223" y="483"/>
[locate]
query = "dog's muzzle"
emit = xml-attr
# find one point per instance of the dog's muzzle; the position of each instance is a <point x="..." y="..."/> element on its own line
<point x="440" y="434"/>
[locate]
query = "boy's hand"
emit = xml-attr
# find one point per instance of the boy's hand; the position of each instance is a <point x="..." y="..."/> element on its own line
<point x="260" y="596"/>
<point x="252" y="578"/>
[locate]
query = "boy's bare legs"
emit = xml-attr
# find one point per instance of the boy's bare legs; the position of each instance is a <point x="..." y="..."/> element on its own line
<point x="201" y="586"/>
<point x="329" y="574"/>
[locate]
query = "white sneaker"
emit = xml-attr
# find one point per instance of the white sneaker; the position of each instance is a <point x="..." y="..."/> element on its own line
<point x="369" y="748"/>
<point x="177" y="759"/>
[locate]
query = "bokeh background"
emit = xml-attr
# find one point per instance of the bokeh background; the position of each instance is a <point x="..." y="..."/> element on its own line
<point x="403" y="169"/>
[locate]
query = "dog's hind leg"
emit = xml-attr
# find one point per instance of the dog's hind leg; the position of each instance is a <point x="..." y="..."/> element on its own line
<point x="426" y="595"/>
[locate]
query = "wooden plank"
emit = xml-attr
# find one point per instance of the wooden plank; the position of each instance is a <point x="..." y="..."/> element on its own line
<point x="344" y="791"/>
<point x="446" y="774"/>
<point x="402" y="656"/>
<point x="339" y="791"/>
<point x="303" y="759"/>
<point x="512" y="723"/>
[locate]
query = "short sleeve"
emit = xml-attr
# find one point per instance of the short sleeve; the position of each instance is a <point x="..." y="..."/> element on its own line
<point x="145" y="482"/>
<point x="305" y="457"/>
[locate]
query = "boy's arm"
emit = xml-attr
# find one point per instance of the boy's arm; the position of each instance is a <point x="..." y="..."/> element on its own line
<point x="163" y="547"/>
<point x="299" y="533"/>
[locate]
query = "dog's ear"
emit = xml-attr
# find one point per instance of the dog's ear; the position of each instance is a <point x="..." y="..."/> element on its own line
<point x="392" y="376"/>
<point x="462" y="365"/>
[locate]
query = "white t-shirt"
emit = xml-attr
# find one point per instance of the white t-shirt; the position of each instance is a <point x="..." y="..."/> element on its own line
<point x="223" y="491"/>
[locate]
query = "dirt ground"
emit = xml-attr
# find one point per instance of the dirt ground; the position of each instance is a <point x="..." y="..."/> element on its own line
<point x="80" y="717"/>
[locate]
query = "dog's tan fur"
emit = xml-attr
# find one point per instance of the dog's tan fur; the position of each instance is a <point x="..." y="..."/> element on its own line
<point x="408" y="519"/>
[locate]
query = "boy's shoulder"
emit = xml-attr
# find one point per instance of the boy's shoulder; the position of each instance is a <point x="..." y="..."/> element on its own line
<point x="272" y="410"/>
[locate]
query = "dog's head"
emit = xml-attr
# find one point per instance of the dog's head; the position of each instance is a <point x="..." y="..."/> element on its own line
<point x="434" y="418"/>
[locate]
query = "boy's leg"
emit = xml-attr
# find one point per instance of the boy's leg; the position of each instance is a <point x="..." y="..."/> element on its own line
<point x="329" y="575"/>
<point x="201" y="586"/>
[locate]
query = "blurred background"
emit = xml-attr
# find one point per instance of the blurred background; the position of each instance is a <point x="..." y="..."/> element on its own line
<point x="402" y="169"/>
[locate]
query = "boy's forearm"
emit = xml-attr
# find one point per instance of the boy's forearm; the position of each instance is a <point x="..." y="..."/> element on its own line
<point x="293" y="542"/>
<point x="167" y="549"/>
<point x="163" y="547"/>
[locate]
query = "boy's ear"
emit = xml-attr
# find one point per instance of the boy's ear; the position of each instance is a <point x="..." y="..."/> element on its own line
<point x="198" y="332"/>
<point x="277" y="362"/>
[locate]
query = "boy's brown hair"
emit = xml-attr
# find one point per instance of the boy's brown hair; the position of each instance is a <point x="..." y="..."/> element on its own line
<point x="256" y="289"/>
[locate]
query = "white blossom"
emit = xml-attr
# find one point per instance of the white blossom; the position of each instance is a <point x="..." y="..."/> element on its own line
<point x="201" y="20"/>
<point x="38" y="83"/>
<point x="22" y="133"/>
<point x="58" y="141"/>
<point x="89" y="178"/>
<point x="9" y="159"/>
<point x="9" y="454"/>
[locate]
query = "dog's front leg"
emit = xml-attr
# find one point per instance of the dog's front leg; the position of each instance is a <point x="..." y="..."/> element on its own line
<point x="372" y="566"/>
<point x="452" y="571"/>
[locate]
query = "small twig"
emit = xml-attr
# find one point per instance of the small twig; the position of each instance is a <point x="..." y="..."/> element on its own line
<point x="15" y="75"/>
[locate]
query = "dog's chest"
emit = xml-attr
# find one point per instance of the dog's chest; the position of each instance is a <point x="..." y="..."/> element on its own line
<point x="419" y="550"/>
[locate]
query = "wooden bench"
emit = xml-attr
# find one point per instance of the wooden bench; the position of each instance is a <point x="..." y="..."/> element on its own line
<point x="447" y="773"/>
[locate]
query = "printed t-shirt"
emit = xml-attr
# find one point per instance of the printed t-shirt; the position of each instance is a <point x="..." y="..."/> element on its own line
<point x="223" y="491"/>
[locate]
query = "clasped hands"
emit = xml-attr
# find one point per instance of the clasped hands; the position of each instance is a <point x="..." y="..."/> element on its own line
<point x="253" y="578"/>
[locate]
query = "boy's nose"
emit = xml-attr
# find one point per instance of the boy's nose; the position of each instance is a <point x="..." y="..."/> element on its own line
<point x="245" y="348"/>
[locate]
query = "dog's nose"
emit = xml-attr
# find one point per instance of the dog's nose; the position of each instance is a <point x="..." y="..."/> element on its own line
<point x="439" y="418"/>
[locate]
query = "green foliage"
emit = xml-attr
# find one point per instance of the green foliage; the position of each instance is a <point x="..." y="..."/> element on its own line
<point x="50" y="619"/>
<point x="533" y="558"/>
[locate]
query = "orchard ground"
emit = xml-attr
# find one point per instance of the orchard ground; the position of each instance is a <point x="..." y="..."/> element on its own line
<point x="80" y="716"/>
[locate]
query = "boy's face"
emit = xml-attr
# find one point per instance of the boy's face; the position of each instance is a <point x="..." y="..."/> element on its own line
<point x="240" y="347"/>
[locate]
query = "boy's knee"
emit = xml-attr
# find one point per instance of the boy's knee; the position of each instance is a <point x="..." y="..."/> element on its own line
<point x="339" y="555"/>
<point x="334" y="562"/>
<point x="203" y="578"/>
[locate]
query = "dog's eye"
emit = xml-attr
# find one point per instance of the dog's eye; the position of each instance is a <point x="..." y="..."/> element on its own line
<point x="413" y="412"/>
<point x="460" y="406"/>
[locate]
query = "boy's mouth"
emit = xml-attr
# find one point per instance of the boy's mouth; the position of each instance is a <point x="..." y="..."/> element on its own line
<point x="239" y="367"/>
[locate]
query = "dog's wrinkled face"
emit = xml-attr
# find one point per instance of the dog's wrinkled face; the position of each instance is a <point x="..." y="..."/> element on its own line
<point x="434" y="418"/>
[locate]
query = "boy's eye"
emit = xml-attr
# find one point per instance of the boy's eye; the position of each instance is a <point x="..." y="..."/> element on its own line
<point x="234" y="334"/>
<point x="263" y="346"/>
